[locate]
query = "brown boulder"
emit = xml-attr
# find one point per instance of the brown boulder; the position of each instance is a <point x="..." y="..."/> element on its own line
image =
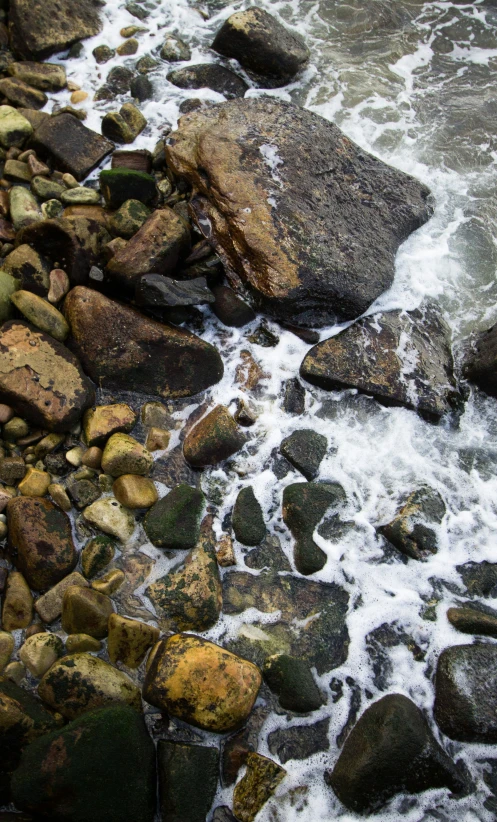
<point x="70" y="145"/>
<point x="40" y="541"/>
<point x="215" y="438"/>
<point x="36" y="32"/>
<point x="40" y="378"/>
<point x="121" y="348"/>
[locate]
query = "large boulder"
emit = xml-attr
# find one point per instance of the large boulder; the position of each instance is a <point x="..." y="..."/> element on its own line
<point x="40" y="378"/>
<point x="51" y="26"/>
<point x="121" y="348"/>
<point x="308" y="236"/>
<point x="399" y="358"/>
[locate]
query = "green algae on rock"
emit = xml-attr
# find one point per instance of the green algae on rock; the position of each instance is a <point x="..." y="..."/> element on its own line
<point x="248" y="521"/>
<point x="174" y="521"/>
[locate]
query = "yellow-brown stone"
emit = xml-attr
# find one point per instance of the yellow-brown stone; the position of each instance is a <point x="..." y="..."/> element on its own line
<point x="157" y="439"/>
<point x="85" y="611"/>
<point x="79" y="643"/>
<point x="17" y="610"/>
<point x="125" y="455"/>
<point x="40" y="651"/>
<point x="110" y="582"/>
<point x="6" y="648"/>
<point x="260" y="781"/>
<point x="134" y="491"/>
<point x="101" y="422"/>
<point x="35" y="483"/>
<point x="129" y="640"/>
<point x="49" y="606"/>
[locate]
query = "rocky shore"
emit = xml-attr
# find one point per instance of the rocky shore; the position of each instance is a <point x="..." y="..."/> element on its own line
<point x="117" y="552"/>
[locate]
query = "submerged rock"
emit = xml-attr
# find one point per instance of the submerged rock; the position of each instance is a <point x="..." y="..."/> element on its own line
<point x="299" y="741"/>
<point x="474" y="618"/>
<point x="399" y="358"/>
<point x="307" y="238"/>
<point x="174" y="521"/>
<point x="260" y="781"/>
<point x="480" y="364"/>
<point x="55" y="26"/>
<point x="413" y="530"/>
<point x="305" y="450"/>
<point x="209" y="75"/>
<point x="304" y="505"/>
<point x="187" y="780"/>
<point x="292" y="681"/>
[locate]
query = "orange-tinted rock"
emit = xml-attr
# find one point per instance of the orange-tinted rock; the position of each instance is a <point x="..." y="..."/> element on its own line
<point x="215" y="438"/>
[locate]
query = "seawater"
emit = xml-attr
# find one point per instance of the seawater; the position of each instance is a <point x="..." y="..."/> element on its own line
<point x="413" y="83"/>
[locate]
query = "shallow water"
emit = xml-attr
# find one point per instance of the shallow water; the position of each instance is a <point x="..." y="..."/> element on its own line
<point x="413" y="83"/>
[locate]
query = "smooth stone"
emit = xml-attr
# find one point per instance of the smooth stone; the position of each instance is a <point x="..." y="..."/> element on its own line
<point x="201" y="683"/>
<point x="40" y="652"/>
<point x="230" y="308"/>
<point x="28" y="267"/>
<point x="16" y="172"/>
<point x="92" y="458"/>
<point x="7" y="644"/>
<point x="260" y="781"/>
<point x="86" y="611"/>
<point x="49" y="605"/>
<point x="59" y="285"/>
<point x="125" y="455"/>
<point x="188" y="776"/>
<point x="59" y="496"/>
<point x="174" y="50"/>
<point x="156" y="414"/>
<point x="103" y="54"/>
<point x="81" y="643"/>
<point x="55" y="27"/>
<point x="304" y="505"/>
<point x="111" y="517"/>
<point x="45" y="76"/>
<point x="137" y="11"/>
<point x="8" y="285"/>
<point x="21" y="94"/>
<point x="134" y="491"/>
<point x="215" y="438"/>
<point x="22" y="719"/>
<point x="129" y="640"/>
<point x="17" y="603"/>
<point x="157" y="439"/>
<point x="294" y="399"/>
<point x="83" y="492"/>
<point x="124" y="126"/>
<point x="24" y="208"/>
<point x="174" y="521"/>
<point x="157" y="291"/>
<point x="110" y="582"/>
<point x="80" y="196"/>
<point x="47" y="189"/>
<point x="70" y="145"/>
<point x="80" y="682"/>
<point x="41" y="314"/>
<point x="35" y="483"/>
<point x="470" y="620"/>
<point x="291" y="679"/>
<point x="102" y="421"/>
<point x="128" y="218"/>
<point x="414" y="529"/>
<point x="305" y="450"/>
<point x="96" y="555"/>
<point x="248" y="521"/>
<point x="299" y="741"/>
<point x="209" y="75"/>
<point x="127" y="48"/>
<point x="15" y="129"/>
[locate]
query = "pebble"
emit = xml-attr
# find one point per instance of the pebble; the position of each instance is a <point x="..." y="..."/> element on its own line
<point x="111" y="517"/>
<point x="128" y="48"/>
<point x="35" y="483"/>
<point x="36" y="167"/>
<point x="80" y="196"/>
<point x="49" y="605"/>
<point x="134" y="491"/>
<point x="6" y="648"/>
<point x="15" y="672"/>
<point x="17" y="603"/>
<point x="59" y="285"/>
<point x="79" y="643"/>
<point x="78" y="96"/>
<point x="41" y="313"/>
<point x="39" y="652"/>
<point x="96" y="555"/>
<point x="157" y="439"/>
<point x="260" y="781"/>
<point x="101" y="422"/>
<point x="110" y="582"/>
<point x="86" y="611"/>
<point x="70" y="181"/>
<point x="59" y="496"/>
<point x="24" y="208"/>
<point x="6" y="413"/>
<point x="92" y="458"/>
<point x="129" y="640"/>
<point x="125" y="455"/>
<point x="225" y="554"/>
<point x="75" y="456"/>
<point x="15" y="429"/>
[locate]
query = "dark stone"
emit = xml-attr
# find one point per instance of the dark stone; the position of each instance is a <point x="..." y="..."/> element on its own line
<point x="305" y="450"/>
<point x="236" y="747"/>
<point x="391" y="750"/>
<point x="264" y="47"/>
<point x="121" y="348"/>
<point x="70" y="145"/>
<point x="173" y="469"/>
<point x="101" y="767"/>
<point x="19" y="93"/>
<point x="263" y="336"/>
<point x="340" y="212"/>
<point x="413" y="530"/>
<point x="300" y="741"/>
<point x="57" y="464"/>
<point x="470" y="619"/>
<point x="379" y="643"/>
<point x="480" y="578"/>
<point x="187" y="780"/>
<point x="305" y="334"/>
<point x="137" y="160"/>
<point x="120" y="184"/>
<point x="466" y="693"/>
<point x="248" y="520"/>
<point x="324" y="642"/>
<point x="480" y="363"/>
<point x="157" y="291"/>
<point x="223" y="814"/>
<point x="103" y="54"/>
<point x="138" y="11"/>
<point x="83" y="492"/>
<point x="55" y="26"/>
<point x="119" y="79"/>
<point x="141" y="88"/>
<point x="215" y="438"/>
<point x="292" y="681"/>
<point x="22" y="719"/>
<point x="304" y="505"/>
<point x="294" y="400"/>
<point x="173" y="522"/>
<point x="209" y="75"/>
<point x="399" y="358"/>
<point x="30" y="268"/>
<point x="268" y="555"/>
<point x="230" y="308"/>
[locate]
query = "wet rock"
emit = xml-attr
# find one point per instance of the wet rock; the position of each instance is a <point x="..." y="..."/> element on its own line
<point x="187" y="780"/>
<point x="41" y="314"/>
<point x="201" y="683"/>
<point x="472" y="620"/>
<point x="28" y="267"/>
<point x="353" y="210"/>
<point x="15" y="129"/>
<point x="291" y="680"/>
<point x="134" y="491"/>
<point x="16" y="172"/>
<point x="17" y="603"/>
<point x="129" y="640"/>
<point x="44" y="76"/>
<point x="34" y="483"/>
<point x="103" y="54"/>
<point x="49" y="605"/>
<point x="85" y="611"/>
<point x="294" y="399"/>
<point x="299" y="741"/>
<point x="125" y="455"/>
<point x="7" y="645"/>
<point x="414" y="530"/>
<point x="125" y="125"/>
<point x="230" y="308"/>
<point x="137" y="159"/>
<point x="322" y="607"/>
<point x="215" y="438"/>
<point x="268" y="555"/>
<point x="304" y="505"/>
<point x="399" y="358"/>
<point x="129" y="218"/>
<point x="22" y="95"/>
<point x="260" y="781"/>
<point x="480" y="578"/>
<point x="79" y="643"/>
<point x="305" y="450"/>
<point x="137" y="11"/>
<point x="174" y="50"/>
<point x="157" y="439"/>
<point x="121" y="348"/>
<point x="47" y="189"/>
<point x="174" y="521"/>
<point x="8" y="285"/>
<point x="172" y="469"/>
<point x="40" y="541"/>
<point x="111" y="517"/>
<point x="39" y="652"/>
<point x="80" y="682"/>
<point x="189" y="597"/>
<point x="12" y="469"/>
<point x="70" y="145"/>
<point x="84" y="781"/>
<point x="24" y="208"/>
<point x="391" y="750"/>
<point x="103" y="421"/>
<point x="480" y="361"/>
<point x="209" y="75"/>
<point x="22" y="719"/>
<point x="80" y="196"/>
<point x="248" y="521"/>
<point x="157" y="291"/>
<point x="141" y="88"/>
<point x="54" y="27"/>
<point x="156" y="248"/>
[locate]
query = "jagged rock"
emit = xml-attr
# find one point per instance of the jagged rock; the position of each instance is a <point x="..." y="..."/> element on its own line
<point x="157" y="291"/>
<point x="49" y="606"/>
<point x="248" y="521"/>
<point x="304" y="505"/>
<point x="111" y="517"/>
<point x="391" y="750"/>
<point x="54" y="27"/>
<point x="22" y="95"/>
<point x="70" y="145"/>
<point x="294" y="400"/>
<point x="209" y="75"/>
<point x="174" y="521"/>
<point x="187" y="780"/>
<point x="323" y="220"/>
<point x="414" y="529"/>
<point x="215" y="438"/>
<point x="121" y="348"/>
<point x="399" y="358"/>
<point x="129" y="640"/>
<point x="44" y="76"/>
<point x="260" y="781"/>
<point x="299" y="741"/>
<point x="305" y="450"/>
<point x="263" y="46"/>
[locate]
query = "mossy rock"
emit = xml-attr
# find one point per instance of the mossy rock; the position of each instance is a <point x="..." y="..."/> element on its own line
<point x="174" y="521"/>
<point x="22" y="719"/>
<point x="96" y="555"/>
<point x="121" y="184"/>
<point x="129" y="218"/>
<point x="187" y="780"/>
<point x="248" y="522"/>
<point x="290" y="678"/>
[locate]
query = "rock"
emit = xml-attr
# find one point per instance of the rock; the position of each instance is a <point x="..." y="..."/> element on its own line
<point x="14" y="128"/>
<point x="215" y="438"/>
<point x="294" y="400"/>
<point x="174" y="521"/>
<point x="7" y="645"/>
<point x="414" y="530"/>
<point x="85" y="611"/>
<point x="125" y="455"/>
<point x="157" y="439"/>
<point x="129" y="640"/>
<point x="299" y="741"/>
<point x="353" y="210"/>
<point x="399" y="358"/>
<point x="201" y="683"/>
<point x="101" y="422"/>
<point x="134" y="491"/>
<point x="291" y="680"/>
<point x="110" y="582"/>
<point x="8" y="285"/>
<point x="305" y="450"/>
<point x="141" y="88"/>
<point x="119" y="347"/>
<point x="24" y="209"/>
<point x="473" y="620"/>
<point x="80" y="682"/>
<point x="189" y="597"/>
<point x="28" y="267"/>
<point x="41" y="314"/>
<point x="35" y="166"/>
<point x="70" y="145"/>
<point x="34" y="483"/>
<point x="49" y="605"/>
<point x="12" y="469"/>
<point x="137" y="159"/>
<point x="480" y="361"/>
<point x="120" y="185"/>
<point x="17" y="603"/>
<point x="391" y="750"/>
<point x="79" y="643"/>
<point x="46" y="189"/>
<point x="56" y="26"/>
<point x="80" y="196"/>
<point x="22" y="95"/>
<point x="248" y="521"/>
<point x="230" y="308"/>
<point x="44" y="76"/>
<point x="22" y="719"/>
<point x="261" y="779"/>
<point x="83" y="492"/>
<point x="84" y="781"/>
<point x="480" y="578"/>
<point x="16" y="172"/>
<point x="59" y="285"/>
<point x="39" y="652"/>
<point x="103" y="54"/>
<point x="268" y="555"/>
<point x="157" y="291"/>
<point x="267" y="50"/>
<point x="128" y="47"/>
<point x="96" y="555"/>
<point x="321" y="607"/>
<point x="126" y="221"/>
<point x="209" y="75"/>
<point x="174" y="50"/>
<point x="304" y="505"/>
<point x="111" y="517"/>
<point x="187" y="780"/>
<point x="123" y="126"/>
<point x="40" y="541"/>
<point x="137" y="11"/>
<point x="156" y="248"/>
<point x="40" y="378"/>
